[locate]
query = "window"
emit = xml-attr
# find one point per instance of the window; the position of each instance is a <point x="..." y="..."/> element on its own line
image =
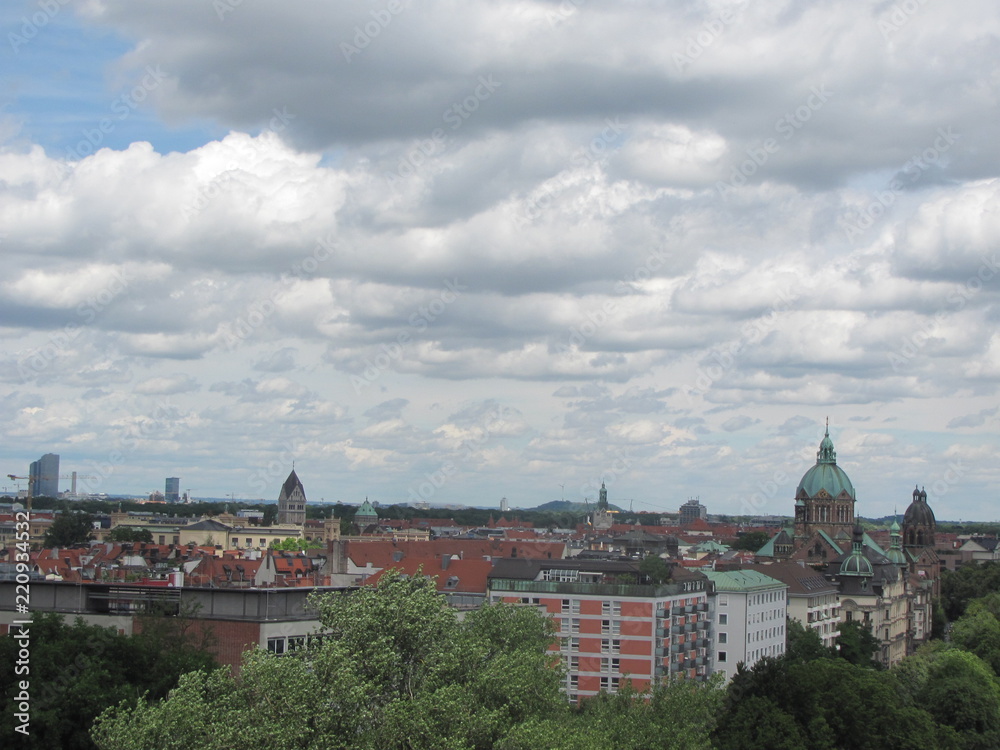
<point x="263" y="542"/>
<point x="616" y="608"/>
<point x="297" y="641"/>
<point x="605" y="645"/>
<point x="616" y="645"/>
<point x="723" y="600"/>
<point x="723" y="637"/>
<point x="574" y="663"/>
<point x="616" y="664"/>
<point x="721" y="657"/>
<point x="606" y="627"/>
<point x="605" y="608"/>
<point x="276" y="645"/>
<point x="565" y="606"/>
<point x="574" y="681"/>
<point x="723" y="619"/>
<point x="574" y="644"/>
<point x="575" y="625"/>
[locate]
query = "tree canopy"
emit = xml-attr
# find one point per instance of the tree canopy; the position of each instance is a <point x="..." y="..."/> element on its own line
<point x="396" y="668"/>
<point x="69" y="528"/>
<point x="79" y="670"/>
<point x="130" y="534"/>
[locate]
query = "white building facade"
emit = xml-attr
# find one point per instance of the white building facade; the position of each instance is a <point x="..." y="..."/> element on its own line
<point x="748" y="610"/>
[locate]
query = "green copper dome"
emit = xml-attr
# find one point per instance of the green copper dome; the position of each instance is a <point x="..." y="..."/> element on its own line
<point x="856" y="564"/>
<point x="825" y="475"/>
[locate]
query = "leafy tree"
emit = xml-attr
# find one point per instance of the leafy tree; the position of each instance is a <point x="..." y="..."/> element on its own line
<point x="655" y="568"/>
<point x="79" y="670"/>
<point x="69" y="528"/>
<point x="751" y="541"/>
<point x="805" y="644"/>
<point x="397" y="670"/>
<point x="961" y="691"/>
<point x="857" y="644"/>
<point x="978" y="631"/>
<point x="831" y="702"/>
<point x="129" y="534"/>
<point x="290" y="544"/>
<point x="969" y="582"/>
<point x="270" y="515"/>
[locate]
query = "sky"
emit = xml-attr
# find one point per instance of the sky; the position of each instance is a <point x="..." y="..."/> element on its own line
<point x="459" y="252"/>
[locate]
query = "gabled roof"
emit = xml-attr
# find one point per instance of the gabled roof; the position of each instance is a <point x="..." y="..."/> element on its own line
<point x="208" y="524"/>
<point x="291" y="484"/>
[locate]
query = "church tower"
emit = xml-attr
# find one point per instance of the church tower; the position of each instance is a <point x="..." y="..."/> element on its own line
<point x="824" y="499"/>
<point x="918" y="522"/>
<point x="292" y="501"/>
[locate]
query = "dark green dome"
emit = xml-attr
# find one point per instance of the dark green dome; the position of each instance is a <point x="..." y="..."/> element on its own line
<point x="825" y="475"/>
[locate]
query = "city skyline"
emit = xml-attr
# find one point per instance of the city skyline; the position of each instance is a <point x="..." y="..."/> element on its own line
<point x="473" y="253"/>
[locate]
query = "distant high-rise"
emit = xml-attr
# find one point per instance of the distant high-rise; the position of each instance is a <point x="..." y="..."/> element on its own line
<point x="43" y="476"/>
<point x="172" y="492"/>
<point x="691" y="511"/>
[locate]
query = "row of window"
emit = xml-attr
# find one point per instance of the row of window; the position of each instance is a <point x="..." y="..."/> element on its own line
<point x="572" y="625"/>
<point x="608" y="645"/>
<point x="608" y="684"/>
<point x="608" y="664"/>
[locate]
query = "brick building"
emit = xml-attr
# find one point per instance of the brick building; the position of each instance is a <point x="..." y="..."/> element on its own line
<point x="614" y="623"/>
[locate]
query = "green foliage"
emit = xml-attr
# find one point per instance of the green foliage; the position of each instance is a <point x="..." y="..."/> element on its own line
<point x="824" y="703"/>
<point x="969" y="582"/>
<point x="751" y="541"/>
<point x="291" y="544"/>
<point x="69" y="528"/>
<point x="655" y="568"/>
<point x="270" y="515"/>
<point x="79" y="670"/>
<point x="857" y="644"/>
<point x="805" y="644"/>
<point x="961" y="692"/>
<point x="978" y="631"/>
<point x="130" y="534"/>
<point x="398" y="669"/>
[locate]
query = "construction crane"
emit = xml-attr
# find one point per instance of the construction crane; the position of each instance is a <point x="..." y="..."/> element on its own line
<point x="34" y="480"/>
<point x="18" y="479"/>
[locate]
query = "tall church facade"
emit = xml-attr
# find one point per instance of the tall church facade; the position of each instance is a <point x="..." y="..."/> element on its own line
<point x="292" y="501"/>
<point x="889" y="590"/>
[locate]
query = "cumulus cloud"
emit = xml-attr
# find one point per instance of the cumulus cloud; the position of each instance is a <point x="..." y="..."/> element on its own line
<point x="568" y="242"/>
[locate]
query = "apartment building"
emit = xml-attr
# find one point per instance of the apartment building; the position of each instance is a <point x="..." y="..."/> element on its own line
<point x="748" y="610"/>
<point x="614" y="623"/>
<point x="813" y="599"/>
